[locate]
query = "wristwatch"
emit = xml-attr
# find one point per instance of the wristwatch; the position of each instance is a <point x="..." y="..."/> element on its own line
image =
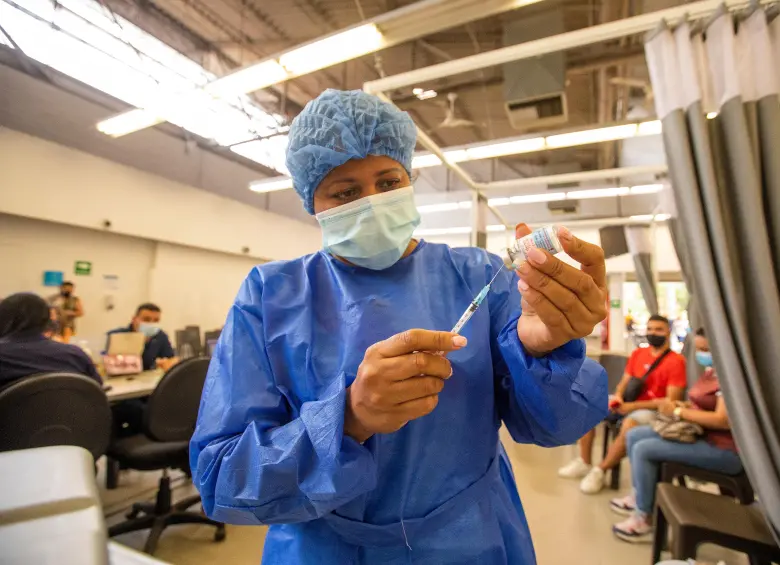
<point x="678" y="412"/>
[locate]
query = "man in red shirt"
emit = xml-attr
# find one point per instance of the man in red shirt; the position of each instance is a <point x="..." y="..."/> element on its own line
<point x="666" y="381"/>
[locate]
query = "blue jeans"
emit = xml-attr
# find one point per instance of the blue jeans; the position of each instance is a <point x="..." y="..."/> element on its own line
<point x="647" y="450"/>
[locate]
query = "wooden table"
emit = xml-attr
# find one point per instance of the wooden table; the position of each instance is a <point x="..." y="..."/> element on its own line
<point x="132" y="386"/>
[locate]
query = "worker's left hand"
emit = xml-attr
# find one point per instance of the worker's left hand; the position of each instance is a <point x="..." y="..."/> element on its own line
<point x="560" y="303"/>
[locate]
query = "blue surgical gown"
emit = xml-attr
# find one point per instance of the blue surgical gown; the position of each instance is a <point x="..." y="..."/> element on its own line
<point x="269" y="446"/>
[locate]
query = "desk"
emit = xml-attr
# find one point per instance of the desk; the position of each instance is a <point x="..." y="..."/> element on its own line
<point x="132" y="386"/>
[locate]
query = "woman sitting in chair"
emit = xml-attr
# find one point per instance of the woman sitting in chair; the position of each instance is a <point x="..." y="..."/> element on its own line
<point x="715" y="451"/>
<point x="26" y="350"/>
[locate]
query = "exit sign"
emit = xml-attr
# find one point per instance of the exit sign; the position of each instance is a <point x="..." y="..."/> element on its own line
<point x="82" y="268"/>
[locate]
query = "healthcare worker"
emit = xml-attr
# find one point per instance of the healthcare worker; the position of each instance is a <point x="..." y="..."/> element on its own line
<point x="338" y="408"/>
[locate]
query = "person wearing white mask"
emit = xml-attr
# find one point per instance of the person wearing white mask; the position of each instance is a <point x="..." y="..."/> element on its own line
<point x="339" y="409"/>
<point x="158" y="351"/>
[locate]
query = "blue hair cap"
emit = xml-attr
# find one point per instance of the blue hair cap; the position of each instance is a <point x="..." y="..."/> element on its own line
<point x="340" y="125"/>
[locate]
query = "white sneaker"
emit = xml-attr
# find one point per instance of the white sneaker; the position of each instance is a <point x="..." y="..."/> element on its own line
<point x="593" y="481"/>
<point x="574" y="469"/>
<point x="624" y="506"/>
<point x="634" y="530"/>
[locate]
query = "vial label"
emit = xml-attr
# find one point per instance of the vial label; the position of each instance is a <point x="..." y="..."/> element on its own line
<point x="541" y="239"/>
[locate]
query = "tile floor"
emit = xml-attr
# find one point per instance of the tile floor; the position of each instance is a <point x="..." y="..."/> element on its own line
<point x="568" y="527"/>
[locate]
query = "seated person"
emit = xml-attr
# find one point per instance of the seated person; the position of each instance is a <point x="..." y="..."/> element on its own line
<point x="716" y="451"/>
<point x="158" y="351"/>
<point x="24" y="348"/>
<point x="666" y="382"/>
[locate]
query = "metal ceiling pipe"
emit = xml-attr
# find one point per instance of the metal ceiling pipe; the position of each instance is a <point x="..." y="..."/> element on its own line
<point x="562" y="42"/>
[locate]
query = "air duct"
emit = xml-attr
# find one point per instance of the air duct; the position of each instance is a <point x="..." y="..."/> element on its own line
<point x="534" y="89"/>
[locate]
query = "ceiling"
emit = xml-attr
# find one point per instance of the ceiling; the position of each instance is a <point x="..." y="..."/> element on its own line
<point x="602" y="84"/>
<point x="224" y="34"/>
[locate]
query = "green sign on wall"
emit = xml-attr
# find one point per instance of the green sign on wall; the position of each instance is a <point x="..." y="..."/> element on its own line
<point x="614" y="303"/>
<point x="82" y="268"/>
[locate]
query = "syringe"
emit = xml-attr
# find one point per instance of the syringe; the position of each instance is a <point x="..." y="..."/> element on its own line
<point x="474" y="305"/>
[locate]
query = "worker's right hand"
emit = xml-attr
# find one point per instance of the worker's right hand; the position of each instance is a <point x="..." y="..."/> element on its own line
<point x="399" y="380"/>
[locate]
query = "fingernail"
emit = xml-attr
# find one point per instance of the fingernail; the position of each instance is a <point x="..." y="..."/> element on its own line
<point x="564" y="232"/>
<point x="537" y="256"/>
<point x="459" y="341"/>
<point x="523" y="285"/>
<point x="451" y="370"/>
<point x="525" y="268"/>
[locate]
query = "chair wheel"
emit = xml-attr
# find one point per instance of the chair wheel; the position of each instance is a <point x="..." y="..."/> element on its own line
<point x="133" y="514"/>
<point x="220" y="534"/>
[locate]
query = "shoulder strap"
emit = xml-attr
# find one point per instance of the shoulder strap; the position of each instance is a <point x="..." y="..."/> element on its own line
<point x="655" y="364"/>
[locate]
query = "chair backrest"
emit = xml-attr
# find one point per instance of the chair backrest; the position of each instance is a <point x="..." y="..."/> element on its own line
<point x="172" y="409"/>
<point x="615" y="365"/>
<point x="188" y="342"/>
<point x="55" y="409"/>
<point x="210" y="341"/>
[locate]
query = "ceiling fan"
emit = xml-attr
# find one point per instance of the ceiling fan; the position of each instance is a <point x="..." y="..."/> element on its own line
<point x="451" y="120"/>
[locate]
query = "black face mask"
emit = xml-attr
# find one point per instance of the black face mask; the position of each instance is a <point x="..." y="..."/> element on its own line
<point x="656" y="340"/>
<point x="65" y="293"/>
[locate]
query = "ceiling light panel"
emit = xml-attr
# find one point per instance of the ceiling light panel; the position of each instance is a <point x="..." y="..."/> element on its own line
<point x="83" y="40"/>
<point x="506" y="148"/>
<point x="597" y="193"/>
<point x="646" y="188"/>
<point x="334" y="49"/>
<point x="271" y="185"/>
<point x="597" y="135"/>
<point x="543" y="197"/>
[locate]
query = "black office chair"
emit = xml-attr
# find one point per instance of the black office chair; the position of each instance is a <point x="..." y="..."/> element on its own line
<point x="188" y="342"/>
<point x="169" y="421"/>
<point x="55" y="409"/>
<point x="210" y="340"/>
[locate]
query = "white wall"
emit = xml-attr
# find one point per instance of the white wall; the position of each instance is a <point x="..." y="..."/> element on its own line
<point x="192" y="286"/>
<point x="30" y="247"/>
<point x="43" y="180"/>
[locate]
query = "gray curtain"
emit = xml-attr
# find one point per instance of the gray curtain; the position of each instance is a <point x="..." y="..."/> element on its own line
<point x="640" y="245"/>
<point x="725" y="177"/>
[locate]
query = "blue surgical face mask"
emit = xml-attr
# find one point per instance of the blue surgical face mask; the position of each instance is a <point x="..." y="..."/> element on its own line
<point x="372" y="232"/>
<point x="148" y="329"/>
<point x="704" y="358"/>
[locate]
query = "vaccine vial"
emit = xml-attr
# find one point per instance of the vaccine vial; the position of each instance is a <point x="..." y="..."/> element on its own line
<point x="545" y="238"/>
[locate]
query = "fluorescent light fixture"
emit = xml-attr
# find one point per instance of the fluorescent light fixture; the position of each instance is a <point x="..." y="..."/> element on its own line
<point x="248" y="79"/>
<point x="444" y="207"/>
<point x="642" y="218"/>
<point x="271" y="185"/>
<point x="506" y="148"/>
<point x="712" y="115"/>
<point x="424" y="94"/>
<point x="587" y="136"/>
<point x="456" y="156"/>
<point x="442" y="231"/>
<point x="496" y="228"/>
<point x="333" y="49"/>
<point x="597" y="193"/>
<point x="269" y="151"/>
<point x="425" y="161"/>
<point x="131" y="121"/>
<point x="499" y="202"/>
<point x="649" y="128"/>
<point x="646" y="188"/>
<point x="662" y="217"/>
<point x="543" y="197"/>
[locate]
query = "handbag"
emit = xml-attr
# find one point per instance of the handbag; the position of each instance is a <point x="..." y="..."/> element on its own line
<point x="677" y="430"/>
<point x="635" y="386"/>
